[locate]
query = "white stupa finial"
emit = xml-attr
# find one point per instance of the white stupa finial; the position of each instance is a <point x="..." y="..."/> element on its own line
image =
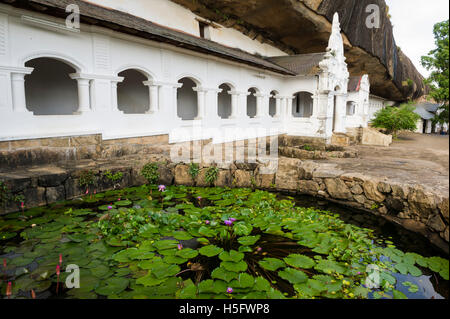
<point x="336" y="43"/>
<point x="336" y="23"/>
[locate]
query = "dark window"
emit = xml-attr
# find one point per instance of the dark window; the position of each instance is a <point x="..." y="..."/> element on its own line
<point x="203" y="27"/>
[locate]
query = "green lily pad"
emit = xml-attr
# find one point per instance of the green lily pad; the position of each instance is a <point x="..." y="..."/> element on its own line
<point x="299" y="261"/>
<point x="294" y="276"/>
<point x="114" y="285"/>
<point x="210" y="250"/>
<point x="272" y="264"/>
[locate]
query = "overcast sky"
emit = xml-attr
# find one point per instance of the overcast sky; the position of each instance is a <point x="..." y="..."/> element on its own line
<point x="413" y="22"/>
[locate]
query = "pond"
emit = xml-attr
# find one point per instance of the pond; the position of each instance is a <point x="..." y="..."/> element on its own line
<point x="186" y="242"/>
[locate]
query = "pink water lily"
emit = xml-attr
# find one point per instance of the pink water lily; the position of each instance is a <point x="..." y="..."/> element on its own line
<point x="229" y="290"/>
<point x="233" y="219"/>
<point x="110" y="207"/>
<point x="180" y="246"/>
<point x="228" y="222"/>
<point x="162" y="188"/>
<point x="207" y="222"/>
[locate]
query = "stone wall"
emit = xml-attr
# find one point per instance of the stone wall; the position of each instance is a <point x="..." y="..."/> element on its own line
<point x="411" y="206"/>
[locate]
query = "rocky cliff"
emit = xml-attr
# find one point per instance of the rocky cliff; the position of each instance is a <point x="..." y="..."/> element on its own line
<point x="304" y="26"/>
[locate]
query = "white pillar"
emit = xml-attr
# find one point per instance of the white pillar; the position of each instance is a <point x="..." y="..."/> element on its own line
<point x="114" y="100"/>
<point x="84" y="99"/>
<point x="234" y="104"/>
<point x="18" y="92"/>
<point x="277" y="106"/>
<point x="200" y="102"/>
<point x="153" y="96"/>
<point x="339" y="124"/>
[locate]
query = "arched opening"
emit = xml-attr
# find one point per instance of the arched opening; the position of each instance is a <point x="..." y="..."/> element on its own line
<point x="49" y="90"/>
<point x="351" y="108"/>
<point x="132" y="95"/>
<point x="224" y="102"/>
<point x="273" y="103"/>
<point x="252" y="103"/>
<point x="187" y="104"/>
<point x="302" y="105"/>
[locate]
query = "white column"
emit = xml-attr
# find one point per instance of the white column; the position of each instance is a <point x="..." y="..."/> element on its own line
<point x="153" y="95"/>
<point x="114" y="100"/>
<point x="200" y="102"/>
<point x="18" y="92"/>
<point x="234" y="104"/>
<point x="259" y="105"/>
<point x="277" y="106"/>
<point x="339" y="124"/>
<point x="84" y="99"/>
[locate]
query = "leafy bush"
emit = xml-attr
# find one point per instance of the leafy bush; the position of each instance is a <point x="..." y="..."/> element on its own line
<point x="395" y="119"/>
<point x="194" y="170"/>
<point x="150" y="173"/>
<point x="87" y="178"/>
<point x="113" y="177"/>
<point x="211" y="175"/>
<point x="6" y="196"/>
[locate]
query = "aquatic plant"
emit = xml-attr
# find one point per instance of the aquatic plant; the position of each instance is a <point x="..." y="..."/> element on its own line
<point x="239" y="243"/>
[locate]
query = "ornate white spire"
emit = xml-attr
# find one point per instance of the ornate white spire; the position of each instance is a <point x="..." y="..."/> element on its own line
<point x="336" y="43"/>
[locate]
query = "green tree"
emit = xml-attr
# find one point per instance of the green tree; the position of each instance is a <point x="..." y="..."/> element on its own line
<point x="437" y="61"/>
<point x="395" y="119"/>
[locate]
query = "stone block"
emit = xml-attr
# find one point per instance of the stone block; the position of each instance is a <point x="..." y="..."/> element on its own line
<point x="337" y="188"/>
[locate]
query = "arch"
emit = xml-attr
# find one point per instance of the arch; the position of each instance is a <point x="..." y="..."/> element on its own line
<point x="132" y="95"/>
<point x="351" y="108"/>
<point x="252" y="101"/>
<point x="144" y="71"/>
<point x="66" y="59"/>
<point x="49" y="90"/>
<point x="198" y="82"/>
<point x="302" y="105"/>
<point x="187" y="99"/>
<point x="224" y="101"/>
<point x="273" y="103"/>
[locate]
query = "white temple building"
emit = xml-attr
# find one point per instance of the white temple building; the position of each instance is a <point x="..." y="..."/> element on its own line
<point x="171" y="73"/>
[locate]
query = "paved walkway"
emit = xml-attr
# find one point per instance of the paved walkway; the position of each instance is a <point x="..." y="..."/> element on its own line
<point x="413" y="158"/>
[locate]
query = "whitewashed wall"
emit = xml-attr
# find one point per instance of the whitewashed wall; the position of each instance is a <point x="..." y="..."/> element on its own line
<point x="98" y="56"/>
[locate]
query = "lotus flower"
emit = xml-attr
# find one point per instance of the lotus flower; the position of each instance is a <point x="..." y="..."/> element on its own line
<point x="22" y="205"/>
<point x="58" y="270"/>
<point x="162" y="188"/>
<point x="259" y="249"/>
<point x="233" y="219"/>
<point x="199" y="198"/>
<point x="229" y="290"/>
<point x="110" y="207"/>
<point x="228" y="222"/>
<point x="87" y="191"/>
<point x="180" y="246"/>
<point x="207" y="222"/>
<point x="60" y="259"/>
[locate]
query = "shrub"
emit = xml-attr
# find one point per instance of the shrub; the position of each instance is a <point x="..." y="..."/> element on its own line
<point x="150" y="172"/>
<point x="113" y="177"/>
<point x="87" y="178"/>
<point x="395" y="119"/>
<point x="194" y="170"/>
<point x="211" y="175"/>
